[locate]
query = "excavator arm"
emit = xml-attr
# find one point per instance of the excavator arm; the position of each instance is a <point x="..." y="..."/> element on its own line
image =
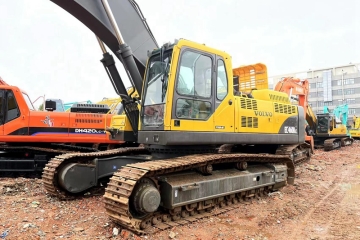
<point x="341" y="112"/>
<point x="311" y="119"/>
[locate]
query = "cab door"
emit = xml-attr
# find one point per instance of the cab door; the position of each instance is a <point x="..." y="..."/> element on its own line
<point x="193" y="97"/>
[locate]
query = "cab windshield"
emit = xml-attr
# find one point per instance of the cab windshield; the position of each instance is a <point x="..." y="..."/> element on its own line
<point x="156" y="88"/>
<point x="156" y="79"/>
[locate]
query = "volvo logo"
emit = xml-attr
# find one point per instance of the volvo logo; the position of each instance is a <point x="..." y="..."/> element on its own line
<point x="263" y="114"/>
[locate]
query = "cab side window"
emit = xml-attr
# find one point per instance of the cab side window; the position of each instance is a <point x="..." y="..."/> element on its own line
<point x="12" y="107"/>
<point x="194" y="85"/>
<point x="222" y="83"/>
<point x="195" y="75"/>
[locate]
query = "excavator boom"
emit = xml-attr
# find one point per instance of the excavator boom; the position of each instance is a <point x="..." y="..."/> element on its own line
<point x="129" y="19"/>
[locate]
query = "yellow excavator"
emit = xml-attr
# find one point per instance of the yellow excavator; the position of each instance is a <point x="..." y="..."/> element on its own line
<point x="185" y="126"/>
<point x="205" y="143"/>
<point x="113" y="103"/>
<point x="355" y="130"/>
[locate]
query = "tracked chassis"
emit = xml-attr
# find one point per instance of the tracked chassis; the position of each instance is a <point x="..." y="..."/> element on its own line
<point x="68" y="175"/>
<point x="167" y="193"/>
<point x="29" y="160"/>
<point x="334" y="143"/>
<point x="26" y="160"/>
<point x="144" y="193"/>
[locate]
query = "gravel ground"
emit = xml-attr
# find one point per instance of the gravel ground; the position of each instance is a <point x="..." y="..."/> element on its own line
<point x="324" y="203"/>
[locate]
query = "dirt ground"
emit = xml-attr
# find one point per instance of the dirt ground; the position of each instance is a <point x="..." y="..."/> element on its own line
<point x="324" y="203"/>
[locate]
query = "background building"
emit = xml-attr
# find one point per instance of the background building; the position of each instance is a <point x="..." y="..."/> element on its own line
<point x="331" y="86"/>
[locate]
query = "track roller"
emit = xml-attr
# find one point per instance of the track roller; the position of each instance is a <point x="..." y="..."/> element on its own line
<point x="241" y="166"/>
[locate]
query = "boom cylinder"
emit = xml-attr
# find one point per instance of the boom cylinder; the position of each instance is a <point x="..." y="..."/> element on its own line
<point x="124" y="53"/>
<point x="110" y="67"/>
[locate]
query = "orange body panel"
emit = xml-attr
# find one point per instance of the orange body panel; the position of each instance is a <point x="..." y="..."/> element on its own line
<point x="28" y="125"/>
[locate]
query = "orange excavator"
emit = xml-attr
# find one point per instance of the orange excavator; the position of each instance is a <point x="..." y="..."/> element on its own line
<point x="322" y="130"/>
<point x="298" y="91"/>
<point x="30" y="137"/>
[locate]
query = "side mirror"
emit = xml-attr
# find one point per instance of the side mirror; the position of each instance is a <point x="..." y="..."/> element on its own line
<point x="50" y="105"/>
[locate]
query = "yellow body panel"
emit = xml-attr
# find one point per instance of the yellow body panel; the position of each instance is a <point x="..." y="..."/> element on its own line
<point x="271" y="95"/>
<point x="355" y="133"/>
<point x="223" y="117"/>
<point x="260" y="116"/>
<point x="341" y="129"/>
<point x="121" y="123"/>
<point x="111" y="102"/>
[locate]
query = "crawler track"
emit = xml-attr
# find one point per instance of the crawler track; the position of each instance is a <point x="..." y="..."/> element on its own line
<point x="119" y="192"/>
<point x="25" y="149"/>
<point x="34" y="149"/>
<point x="334" y="143"/>
<point x="50" y="171"/>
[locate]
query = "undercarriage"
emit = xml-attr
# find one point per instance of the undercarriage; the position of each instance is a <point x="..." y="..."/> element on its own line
<point x="29" y="160"/>
<point x="334" y="143"/>
<point x="145" y="192"/>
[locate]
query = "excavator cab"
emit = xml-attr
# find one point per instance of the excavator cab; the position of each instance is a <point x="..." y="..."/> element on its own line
<point x="188" y="100"/>
<point x="330" y="132"/>
<point x="325" y="123"/>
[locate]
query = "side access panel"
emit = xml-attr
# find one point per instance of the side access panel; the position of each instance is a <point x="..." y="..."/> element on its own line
<point x="41" y="124"/>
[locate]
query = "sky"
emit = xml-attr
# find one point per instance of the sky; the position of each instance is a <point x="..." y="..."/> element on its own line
<point x="46" y="51"/>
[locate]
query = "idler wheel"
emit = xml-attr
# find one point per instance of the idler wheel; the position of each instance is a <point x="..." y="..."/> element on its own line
<point x="146" y="198"/>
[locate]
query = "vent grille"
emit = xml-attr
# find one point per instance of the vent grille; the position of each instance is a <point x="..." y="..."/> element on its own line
<point x="89" y="118"/>
<point x="248" y="103"/>
<point x="89" y="115"/>
<point x="250" y="122"/>
<point x="284" y="108"/>
<point x="278" y="98"/>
